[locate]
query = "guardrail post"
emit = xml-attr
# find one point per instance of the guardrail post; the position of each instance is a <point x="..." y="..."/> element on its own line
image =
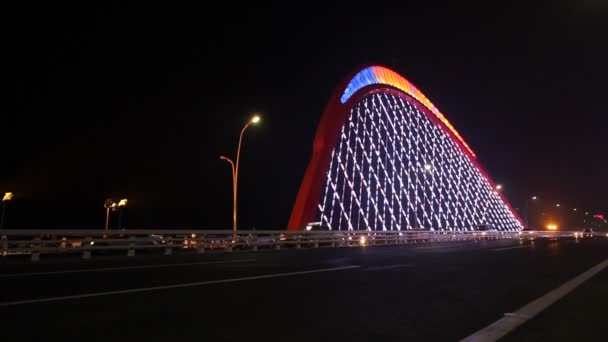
<point x="36" y="249"/>
<point x="200" y="249"/>
<point x="169" y="244"/>
<point x="4" y="245"/>
<point x="298" y="243"/>
<point x="315" y="244"/>
<point x="229" y="246"/>
<point x="131" y="250"/>
<point x="86" y="254"/>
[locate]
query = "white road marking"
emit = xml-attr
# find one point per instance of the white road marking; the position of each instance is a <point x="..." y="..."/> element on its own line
<point x="426" y="247"/>
<point x="505" y="248"/>
<point x="387" y="267"/>
<point x="503" y="326"/>
<point x="13" y="275"/>
<point x="167" y="287"/>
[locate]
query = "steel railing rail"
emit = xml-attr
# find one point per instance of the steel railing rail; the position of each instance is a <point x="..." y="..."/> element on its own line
<point x="38" y="241"/>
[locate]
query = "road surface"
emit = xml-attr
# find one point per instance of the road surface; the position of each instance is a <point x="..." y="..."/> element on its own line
<point x="425" y="292"/>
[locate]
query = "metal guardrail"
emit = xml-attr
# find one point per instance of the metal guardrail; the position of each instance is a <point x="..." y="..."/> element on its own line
<point x="89" y="242"/>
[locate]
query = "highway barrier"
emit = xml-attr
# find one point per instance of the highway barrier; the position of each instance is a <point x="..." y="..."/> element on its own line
<point x="88" y="243"/>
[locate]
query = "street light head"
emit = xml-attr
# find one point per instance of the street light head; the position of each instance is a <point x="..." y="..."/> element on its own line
<point x="557" y="205"/>
<point x="574" y="209"/>
<point x="534" y="198"/>
<point x="255" y="119"/>
<point x="108" y="203"/>
<point x="7" y="196"/>
<point x="498" y="186"/>
<point x="123" y="202"/>
<point x="552" y="226"/>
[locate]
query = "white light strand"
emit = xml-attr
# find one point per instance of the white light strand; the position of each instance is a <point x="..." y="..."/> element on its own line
<point x="392" y="168"/>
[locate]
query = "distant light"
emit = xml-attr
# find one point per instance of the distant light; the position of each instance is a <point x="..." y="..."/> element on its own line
<point x="255" y="119"/>
<point x="362" y="240"/>
<point x="557" y="205"/>
<point x="7" y="196"/>
<point x="122" y="202"/>
<point x="600" y="216"/>
<point x="428" y="167"/>
<point x="534" y="198"/>
<point x="574" y="209"/>
<point x="498" y="186"/>
<point x="552" y="226"/>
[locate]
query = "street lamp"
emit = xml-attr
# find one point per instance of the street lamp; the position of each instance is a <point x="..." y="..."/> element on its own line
<point x="109" y="204"/>
<point x="498" y="186"/>
<point x="527" y="208"/>
<point x="121" y="207"/>
<point x="8" y="196"/>
<point x="233" y="191"/>
<point x="557" y="205"/>
<point x="235" y="169"/>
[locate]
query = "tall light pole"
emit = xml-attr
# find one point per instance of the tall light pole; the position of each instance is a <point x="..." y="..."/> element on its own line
<point x="527" y="208"/>
<point x="233" y="191"/>
<point x="8" y="196"/>
<point x="235" y="169"/>
<point x="109" y="204"/>
<point x="121" y="207"/>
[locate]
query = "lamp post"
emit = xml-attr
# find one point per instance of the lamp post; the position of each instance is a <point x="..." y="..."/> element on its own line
<point x="8" y="196"/>
<point x="121" y="207"/>
<point x="109" y="204"/>
<point x="235" y="170"/>
<point x="527" y="208"/>
<point x="233" y="191"/>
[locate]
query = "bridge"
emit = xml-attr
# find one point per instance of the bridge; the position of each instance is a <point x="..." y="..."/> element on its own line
<point x="397" y="233"/>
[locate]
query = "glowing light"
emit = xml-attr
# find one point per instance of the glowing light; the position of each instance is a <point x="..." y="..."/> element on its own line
<point x="534" y="198"/>
<point x="362" y="240"/>
<point x="557" y="205"/>
<point x="600" y="216"/>
<point x="574" y="209"/>
<point x="123" y="202"/>
<point x="552" y="226"/>
<point x="7" y="196"/>
<point x="381" y="75"/>
<point x="498" y="186"/>
<point x="374" y="180"/>
<point x="255" y="119"/>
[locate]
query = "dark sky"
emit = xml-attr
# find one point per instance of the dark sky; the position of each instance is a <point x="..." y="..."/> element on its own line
<point x="140" y="101"/>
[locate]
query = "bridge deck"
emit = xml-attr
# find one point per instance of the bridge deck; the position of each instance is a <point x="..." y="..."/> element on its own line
<point x="422" y="292"/>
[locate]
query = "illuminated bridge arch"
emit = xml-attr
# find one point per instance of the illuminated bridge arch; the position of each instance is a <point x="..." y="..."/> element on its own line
<point x="385" y="158"/>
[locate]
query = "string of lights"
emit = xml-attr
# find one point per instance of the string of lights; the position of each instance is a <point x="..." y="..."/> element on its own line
<point x="393" y="168"/>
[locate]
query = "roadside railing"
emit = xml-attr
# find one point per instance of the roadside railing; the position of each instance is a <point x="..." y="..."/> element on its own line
<point x="90" y="242"/>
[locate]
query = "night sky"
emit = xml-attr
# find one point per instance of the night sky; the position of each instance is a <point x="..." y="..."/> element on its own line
<point x="140" y="101"/>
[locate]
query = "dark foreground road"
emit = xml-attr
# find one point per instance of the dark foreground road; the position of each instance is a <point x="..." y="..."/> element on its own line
<point x="437" y="292"/>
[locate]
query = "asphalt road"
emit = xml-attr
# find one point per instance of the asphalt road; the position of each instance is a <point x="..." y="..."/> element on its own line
<point x="430" y="292"/>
